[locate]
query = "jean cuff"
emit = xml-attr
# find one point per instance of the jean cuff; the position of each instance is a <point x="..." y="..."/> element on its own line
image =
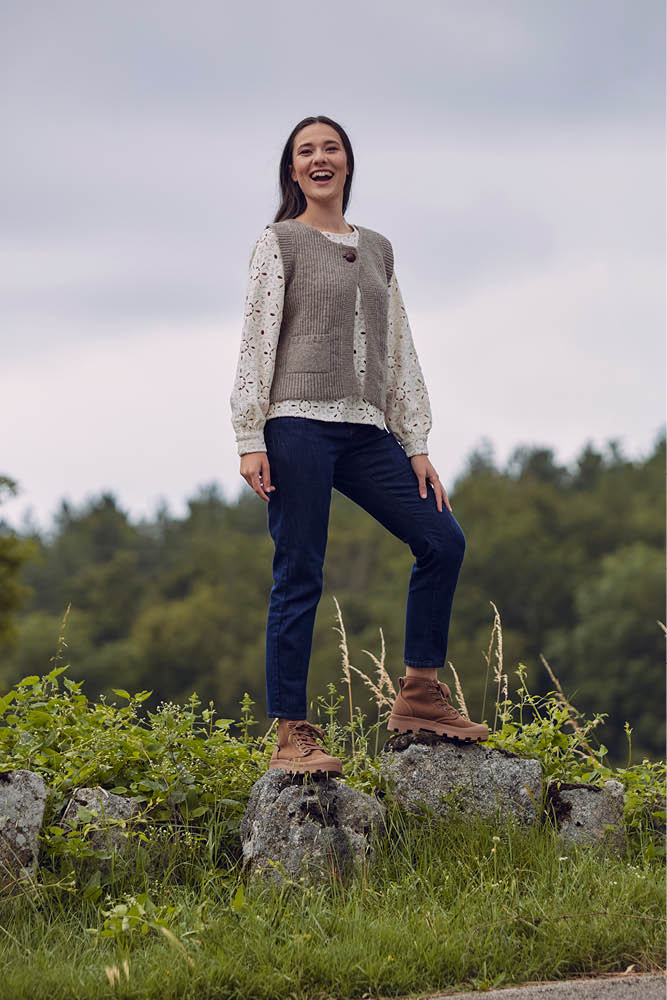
<point x="431" y="666"/>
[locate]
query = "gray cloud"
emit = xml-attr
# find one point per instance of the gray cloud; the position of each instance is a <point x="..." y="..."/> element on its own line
<point x="462" y="56"/>
<point x="501" y="144"/>
<point x="148" y="135"/>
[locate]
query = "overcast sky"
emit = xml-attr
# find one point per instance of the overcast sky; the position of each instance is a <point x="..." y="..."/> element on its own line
<point x="513" y="151"/>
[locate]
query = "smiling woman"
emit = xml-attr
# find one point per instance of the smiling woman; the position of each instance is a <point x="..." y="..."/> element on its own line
<point x="320" y="161"/>
<point x="317" y="158"/>
<point x="329" y="393"/>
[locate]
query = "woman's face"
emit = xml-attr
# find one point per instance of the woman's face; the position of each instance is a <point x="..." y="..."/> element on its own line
<point x="318" y="148"/>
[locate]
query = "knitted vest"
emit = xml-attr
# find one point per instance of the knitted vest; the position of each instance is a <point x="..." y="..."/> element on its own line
<point x="314" y="356"/>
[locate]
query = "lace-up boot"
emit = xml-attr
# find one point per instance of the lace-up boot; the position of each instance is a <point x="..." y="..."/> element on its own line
<point x="299" y="749"/>
<point x="424" y="705"/>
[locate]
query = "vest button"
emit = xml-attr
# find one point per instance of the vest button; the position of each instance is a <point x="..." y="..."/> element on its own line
<point x="350" y="255"/>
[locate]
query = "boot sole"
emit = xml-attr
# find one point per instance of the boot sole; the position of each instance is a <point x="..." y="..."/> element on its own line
<point x="409" y="724"/>
<point x="302" y="769"/>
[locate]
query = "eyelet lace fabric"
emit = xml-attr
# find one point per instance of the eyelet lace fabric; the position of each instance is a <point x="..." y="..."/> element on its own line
<point x="407" y="411"/>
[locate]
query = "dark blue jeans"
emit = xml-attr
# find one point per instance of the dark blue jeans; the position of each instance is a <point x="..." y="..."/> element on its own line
<point x="307" y="458"/>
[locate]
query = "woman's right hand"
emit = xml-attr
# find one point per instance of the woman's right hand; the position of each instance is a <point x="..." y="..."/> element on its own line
<point x="256" y="472"/>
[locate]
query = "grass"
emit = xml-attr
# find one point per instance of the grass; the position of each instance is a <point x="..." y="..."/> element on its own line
<point x="450" y="904"/>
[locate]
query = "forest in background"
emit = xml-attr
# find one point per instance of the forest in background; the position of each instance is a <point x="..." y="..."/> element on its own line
<point x="572" y="557"/>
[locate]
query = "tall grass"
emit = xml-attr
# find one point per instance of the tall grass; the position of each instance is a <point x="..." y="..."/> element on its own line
<point x="450" y="904"/>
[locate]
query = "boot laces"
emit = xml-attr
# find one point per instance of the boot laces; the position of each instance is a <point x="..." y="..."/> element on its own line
<point x="442" y="698"/>
<point x="306" y="735"/>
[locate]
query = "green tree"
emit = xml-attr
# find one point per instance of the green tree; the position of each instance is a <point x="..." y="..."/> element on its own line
<point x="619" y="647"/>
<point x="175" y="604"/>
<point x="14" y="553"/>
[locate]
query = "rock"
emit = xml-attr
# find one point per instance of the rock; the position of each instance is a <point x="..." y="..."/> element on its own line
<point x="431" y="771"/>
<point x="313" y="828"/>
<point x="589" y="814"/>
<point x="110" y="813"/>
<point x="22" y="801"/>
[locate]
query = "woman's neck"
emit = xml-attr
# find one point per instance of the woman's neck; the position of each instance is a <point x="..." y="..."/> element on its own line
<point x="328" y="222"/>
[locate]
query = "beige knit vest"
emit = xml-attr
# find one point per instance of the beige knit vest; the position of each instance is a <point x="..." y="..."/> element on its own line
<point x="314" y="356"/>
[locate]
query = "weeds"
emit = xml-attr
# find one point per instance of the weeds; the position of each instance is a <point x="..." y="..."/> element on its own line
<point x="188" y="770"/>
<point x="449" y="904"/>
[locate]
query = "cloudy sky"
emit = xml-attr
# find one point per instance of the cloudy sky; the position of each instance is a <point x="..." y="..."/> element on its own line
<point x="513" y="151"/>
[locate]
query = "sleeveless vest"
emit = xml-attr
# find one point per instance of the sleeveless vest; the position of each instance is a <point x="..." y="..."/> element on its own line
<point x="314" y="356"/>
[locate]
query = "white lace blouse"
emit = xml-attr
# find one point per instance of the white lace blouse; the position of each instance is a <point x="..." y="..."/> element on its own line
<point x="407" y="409"/>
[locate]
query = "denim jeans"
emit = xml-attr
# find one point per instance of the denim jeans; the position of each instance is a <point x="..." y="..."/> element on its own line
<point x="307" y="458"/>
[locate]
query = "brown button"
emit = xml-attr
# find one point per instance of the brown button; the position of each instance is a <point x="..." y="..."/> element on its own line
<point x="350" y="255"/>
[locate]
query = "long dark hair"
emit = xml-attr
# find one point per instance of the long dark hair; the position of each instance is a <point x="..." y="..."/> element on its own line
<point x="293" y="199"/>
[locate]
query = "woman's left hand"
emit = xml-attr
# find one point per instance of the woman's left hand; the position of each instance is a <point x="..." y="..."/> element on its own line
<point x="424" y="471"/>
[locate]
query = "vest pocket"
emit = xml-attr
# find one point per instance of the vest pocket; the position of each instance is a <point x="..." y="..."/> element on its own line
<point x="310" y="353"/>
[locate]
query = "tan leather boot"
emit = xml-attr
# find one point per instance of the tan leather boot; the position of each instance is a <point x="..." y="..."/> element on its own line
<point x="424" y="704"/>
<point x="299" y="749"/>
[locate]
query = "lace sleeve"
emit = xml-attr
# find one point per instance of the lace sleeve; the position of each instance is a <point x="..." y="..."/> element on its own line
<point x="407" y="409"/>
<point x="261" y="328"/>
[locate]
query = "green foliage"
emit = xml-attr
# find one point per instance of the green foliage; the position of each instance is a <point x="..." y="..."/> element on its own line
<point x="534" y="726"/>
<point x="189" y="771"/>
<point x="448" y="907"/>
<point x="14" y="553"/>
<point x="616" y="627"/>
<point x="572" y="556"/>
<point x="184" y="767"/>
<point x="134" y="915"/>
<point x="462" y="903"/>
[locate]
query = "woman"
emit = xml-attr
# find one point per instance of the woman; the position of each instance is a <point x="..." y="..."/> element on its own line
<point x="326" y="359"/>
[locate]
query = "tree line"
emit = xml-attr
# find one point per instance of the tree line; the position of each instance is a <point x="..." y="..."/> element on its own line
<point x="572" y="557"/>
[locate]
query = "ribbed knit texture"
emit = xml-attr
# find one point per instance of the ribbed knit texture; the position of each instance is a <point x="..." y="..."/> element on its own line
<point x="314" y="357"/>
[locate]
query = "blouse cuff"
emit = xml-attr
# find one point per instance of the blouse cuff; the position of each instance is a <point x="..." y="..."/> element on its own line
<point x="246" y="443"/>
<point x="415" y="446"/>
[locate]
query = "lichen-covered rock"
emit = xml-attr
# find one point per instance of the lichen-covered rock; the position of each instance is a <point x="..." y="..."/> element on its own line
<point x="589" y="814"/>
<point x="294" y="828"/>
<point x="109" y="812"/>
<point x="22" y="800"/>
<point x="431" y="771"/>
